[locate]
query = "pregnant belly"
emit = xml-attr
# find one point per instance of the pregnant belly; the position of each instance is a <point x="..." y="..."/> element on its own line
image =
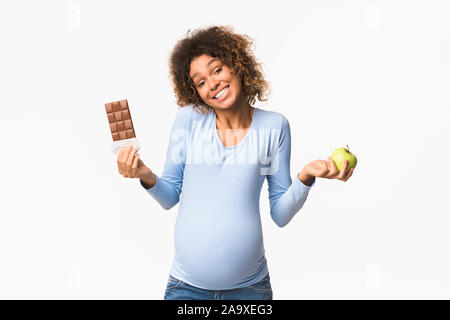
<point x="219" y="250"/>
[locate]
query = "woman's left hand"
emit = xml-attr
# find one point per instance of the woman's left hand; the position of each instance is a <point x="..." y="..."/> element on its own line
<point x="327" y="169"/>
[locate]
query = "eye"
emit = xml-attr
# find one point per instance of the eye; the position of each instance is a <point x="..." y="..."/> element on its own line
<point x="200" y="84"/>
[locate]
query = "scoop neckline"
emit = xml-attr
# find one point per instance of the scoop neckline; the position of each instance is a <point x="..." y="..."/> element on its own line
<point x="243" y="139"/>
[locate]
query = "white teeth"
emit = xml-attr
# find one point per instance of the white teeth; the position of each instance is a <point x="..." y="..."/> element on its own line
<point x="221" y="93"/>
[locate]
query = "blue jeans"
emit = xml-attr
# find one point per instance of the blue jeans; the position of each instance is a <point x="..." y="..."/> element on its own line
<point x="179" y="290"/>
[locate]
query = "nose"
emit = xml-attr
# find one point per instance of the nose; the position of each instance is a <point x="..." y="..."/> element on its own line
<point x="214" y="84"/>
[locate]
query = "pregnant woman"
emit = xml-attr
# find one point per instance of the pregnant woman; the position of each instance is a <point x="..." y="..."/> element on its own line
<point x="221" y="150"/>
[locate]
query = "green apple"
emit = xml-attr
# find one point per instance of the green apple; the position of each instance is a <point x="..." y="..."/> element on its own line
<point x="341" y="154"/>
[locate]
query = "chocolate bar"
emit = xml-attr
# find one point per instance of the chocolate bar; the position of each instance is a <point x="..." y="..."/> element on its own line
<point x="120" y="122"/>
<point x="121" y="125"/>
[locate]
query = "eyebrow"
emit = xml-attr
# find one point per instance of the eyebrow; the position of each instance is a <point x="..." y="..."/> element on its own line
<point x="209" y="63"/>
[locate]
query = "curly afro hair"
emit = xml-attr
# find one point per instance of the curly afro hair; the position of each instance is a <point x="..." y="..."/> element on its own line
<point x="234" y="50"/>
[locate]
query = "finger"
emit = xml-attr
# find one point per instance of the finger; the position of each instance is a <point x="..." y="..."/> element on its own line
<point x="123" y="153"/>
<point x="324" y="170"/>
<point x="350" y="173"/>
<point x="135" y="164"/>
<point x="130" y="158"/>
<point x="329" y="171"/>
<point x="124" y="161"/>
<point x="333" y="170"/>
<point x="343" y="171"/>
<point x="126" y="150"/>
<point x="123" y="156"/>
<point x="119" y="159"/>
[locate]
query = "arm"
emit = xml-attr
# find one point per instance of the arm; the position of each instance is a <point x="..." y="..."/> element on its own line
<point x="286" y="196"/>
<point x="305" y="178"/>
<point x="148" y="181"/>
<point x="166" y="189"/>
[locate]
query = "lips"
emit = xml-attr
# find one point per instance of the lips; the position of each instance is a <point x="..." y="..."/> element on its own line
<point x="214" y="96"/>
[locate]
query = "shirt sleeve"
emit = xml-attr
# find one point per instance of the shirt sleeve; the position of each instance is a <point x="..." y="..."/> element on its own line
<point x="286" y="197"/>
<point x="167" y="189"/>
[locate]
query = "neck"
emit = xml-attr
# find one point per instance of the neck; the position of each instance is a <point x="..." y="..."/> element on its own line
<point x="237" y="117"/>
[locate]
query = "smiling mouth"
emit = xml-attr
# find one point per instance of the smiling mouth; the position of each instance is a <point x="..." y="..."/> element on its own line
<point x="222" y="93"/>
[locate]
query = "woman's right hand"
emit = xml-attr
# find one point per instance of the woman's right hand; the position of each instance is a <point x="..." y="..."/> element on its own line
<point x="129" y="164"/>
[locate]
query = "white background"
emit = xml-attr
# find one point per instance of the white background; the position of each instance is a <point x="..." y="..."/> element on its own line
<point x="371" y="74"/>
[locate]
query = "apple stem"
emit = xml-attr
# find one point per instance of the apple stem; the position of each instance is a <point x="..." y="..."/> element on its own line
<point x="348" y="149"/>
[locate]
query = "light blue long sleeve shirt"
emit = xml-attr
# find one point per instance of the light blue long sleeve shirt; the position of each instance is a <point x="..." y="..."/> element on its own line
<point x="218" y="235"/>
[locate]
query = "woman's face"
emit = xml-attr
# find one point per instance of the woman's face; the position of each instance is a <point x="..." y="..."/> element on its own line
<point x="211" y="76"/>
